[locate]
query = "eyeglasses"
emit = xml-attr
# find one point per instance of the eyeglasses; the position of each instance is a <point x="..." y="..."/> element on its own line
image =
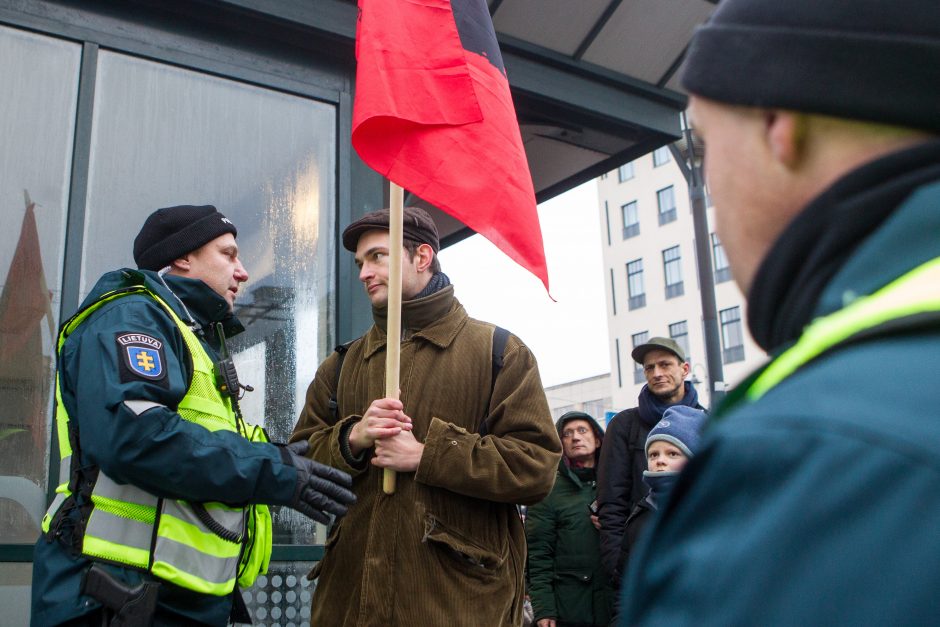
<point x="569" y="433"/>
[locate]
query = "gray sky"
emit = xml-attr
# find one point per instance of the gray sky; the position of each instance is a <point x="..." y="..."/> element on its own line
<point x="568" y="337"/>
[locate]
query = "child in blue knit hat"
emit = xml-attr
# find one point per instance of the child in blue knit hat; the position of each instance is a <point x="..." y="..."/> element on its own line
<point x="670" y="444"/>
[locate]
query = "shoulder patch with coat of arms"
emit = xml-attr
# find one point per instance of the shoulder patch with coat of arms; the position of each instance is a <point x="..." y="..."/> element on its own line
<point x="142" y="357"/>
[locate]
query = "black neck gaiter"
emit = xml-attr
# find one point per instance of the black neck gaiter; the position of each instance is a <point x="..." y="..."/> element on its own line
<point x="812" y="249"/>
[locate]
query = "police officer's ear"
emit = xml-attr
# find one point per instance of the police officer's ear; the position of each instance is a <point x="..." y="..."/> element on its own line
<point x="786" y="135"/>
<point x="182" y="265"/>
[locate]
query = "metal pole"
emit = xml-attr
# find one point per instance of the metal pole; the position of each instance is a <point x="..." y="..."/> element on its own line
<point x="706" y="275"/>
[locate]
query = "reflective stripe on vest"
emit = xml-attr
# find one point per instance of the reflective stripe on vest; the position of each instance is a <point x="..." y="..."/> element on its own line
<point x="914" y="293"/>
<point x="184" y="550"/>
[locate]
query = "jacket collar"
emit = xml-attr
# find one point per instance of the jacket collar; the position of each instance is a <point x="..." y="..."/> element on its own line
<point x="203" y="303"/>
<point x="856" y="236"/>
<point x="436" y="318"/>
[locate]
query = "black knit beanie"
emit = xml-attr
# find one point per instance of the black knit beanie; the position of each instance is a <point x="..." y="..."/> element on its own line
<point x="171" y="232"/>
<point x="871" y="60"/>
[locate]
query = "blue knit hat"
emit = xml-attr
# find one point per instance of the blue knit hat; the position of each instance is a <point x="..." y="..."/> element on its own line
<point x="681" y="426"/>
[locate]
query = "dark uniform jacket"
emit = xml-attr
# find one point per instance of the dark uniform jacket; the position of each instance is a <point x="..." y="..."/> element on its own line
<point x="566" y="580"/>
<point x="448" y="548"/>
<point x="818" y="503"/>
<point x="156" y="450"/>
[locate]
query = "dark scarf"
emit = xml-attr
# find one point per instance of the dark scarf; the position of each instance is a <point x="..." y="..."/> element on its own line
<point x="434" y="301"/>
<point x="585" y="475"/>
<point x="438" y="282"/>
<point x="812" y="249"/>
<point x="660" y="484"/>
<point x="651" y="407"/>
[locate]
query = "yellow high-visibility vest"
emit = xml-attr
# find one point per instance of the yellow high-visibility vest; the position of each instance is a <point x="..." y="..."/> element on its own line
<point x="183" y="549"/>
<point x="913" y="294"/>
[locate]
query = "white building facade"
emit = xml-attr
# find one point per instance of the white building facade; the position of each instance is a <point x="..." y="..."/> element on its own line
<point x="590" y="395"/>
<point x="652" y="283"/>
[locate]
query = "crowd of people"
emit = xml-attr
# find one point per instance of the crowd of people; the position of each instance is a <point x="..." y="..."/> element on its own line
<point x="807" y="497"/>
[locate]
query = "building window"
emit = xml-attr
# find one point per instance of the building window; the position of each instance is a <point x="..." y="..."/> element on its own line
<point x="679" y="331"/>
<point x="607" y="219"/>
<point x="661" y="156"/>
<point x="617" y="355"/>
<point x="631" y="220"/>
<point x="635" y="289"/>
<point x="666" y="200"/>
<point x="639" y="338"/>
<point x="595" y="408"/>
<point x="625" y="172"/>
<point x="613" y="292"/>
<point x="732" y="336"/>
<point x="720" y="260"/>
<point x="672" y="269"/>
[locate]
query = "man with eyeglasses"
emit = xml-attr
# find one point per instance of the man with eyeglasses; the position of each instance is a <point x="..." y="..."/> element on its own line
<point x="567" y="584"/>
<point x="623" y="458"/>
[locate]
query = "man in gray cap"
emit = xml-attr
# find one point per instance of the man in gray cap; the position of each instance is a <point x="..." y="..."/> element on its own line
<point x="623" y="457"/>
<point x="160" y="516"/>
<point x="470" y="437"/>
<point x="814" y="498"/>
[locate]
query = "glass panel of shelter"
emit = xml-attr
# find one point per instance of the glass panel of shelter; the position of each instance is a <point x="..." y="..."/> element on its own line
<point x="38" y="101"/>
<point x="163" y="136"/>
<point x="38" y="104"/>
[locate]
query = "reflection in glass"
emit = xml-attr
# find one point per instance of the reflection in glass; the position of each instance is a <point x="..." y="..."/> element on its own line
<point x="39" y="76"/>
<point x="165" y="136"/>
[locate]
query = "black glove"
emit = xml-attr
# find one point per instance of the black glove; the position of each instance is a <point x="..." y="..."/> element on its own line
<point x="320" y="488"/>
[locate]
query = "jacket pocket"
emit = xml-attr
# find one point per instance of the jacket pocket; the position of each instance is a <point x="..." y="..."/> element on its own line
<point x="574" y="595"/>
<point x="470" y="556"/>
<point x="331" y="541"/>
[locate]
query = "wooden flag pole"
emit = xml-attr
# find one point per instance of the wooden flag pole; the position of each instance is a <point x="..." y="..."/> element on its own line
<point x="393" y="330"/>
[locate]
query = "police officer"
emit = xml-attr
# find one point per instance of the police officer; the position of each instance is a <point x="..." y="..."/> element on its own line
<point x="814" y="498"/>
<point x="160" y="515"/>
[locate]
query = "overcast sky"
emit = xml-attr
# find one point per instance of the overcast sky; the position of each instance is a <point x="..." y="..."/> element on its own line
<point x="568" y="337"/>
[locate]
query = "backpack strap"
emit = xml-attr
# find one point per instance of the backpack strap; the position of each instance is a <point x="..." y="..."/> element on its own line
<point x="341" y="350"/>
<point x="500" y="336"/>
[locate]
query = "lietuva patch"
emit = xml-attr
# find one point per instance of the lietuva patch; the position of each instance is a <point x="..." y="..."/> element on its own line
<point x="142" y="357"/>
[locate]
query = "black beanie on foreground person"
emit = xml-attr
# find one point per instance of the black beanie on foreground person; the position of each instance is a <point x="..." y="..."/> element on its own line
<point x="867" y="60"/>
<point x="171" y="232"/>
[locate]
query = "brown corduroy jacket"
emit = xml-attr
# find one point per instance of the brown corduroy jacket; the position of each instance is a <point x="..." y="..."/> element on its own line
<point x="448" y="548"/>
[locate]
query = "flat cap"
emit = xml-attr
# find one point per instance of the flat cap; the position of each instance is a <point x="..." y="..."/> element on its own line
<point x="657" y="344"/>
<point x="417" y="226"/>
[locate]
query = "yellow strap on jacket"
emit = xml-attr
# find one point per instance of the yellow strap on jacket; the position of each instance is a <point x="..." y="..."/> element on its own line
<point x="913" y="294"/>
<point x="184" y="550"/>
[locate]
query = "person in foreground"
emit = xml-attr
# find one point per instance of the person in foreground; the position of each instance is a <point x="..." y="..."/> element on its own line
<point x="814" y="498"/>
<point x="567" y="584"/>
<point x="467" y="444"/>
<point x="160" y="514"/>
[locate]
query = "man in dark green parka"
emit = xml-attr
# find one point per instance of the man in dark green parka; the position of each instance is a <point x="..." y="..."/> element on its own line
<point x="814" y="498"/>
<point x="567" y="584"/>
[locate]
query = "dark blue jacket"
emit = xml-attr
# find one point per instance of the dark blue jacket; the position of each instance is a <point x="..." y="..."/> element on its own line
<point x="818" y="504"/>
<point x="157" y="450"/>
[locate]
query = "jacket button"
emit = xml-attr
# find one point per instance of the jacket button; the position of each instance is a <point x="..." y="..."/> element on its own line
<point x="453" y="442"/>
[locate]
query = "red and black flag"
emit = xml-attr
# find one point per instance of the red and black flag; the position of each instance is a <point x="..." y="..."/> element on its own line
<point x="433" y="113"/>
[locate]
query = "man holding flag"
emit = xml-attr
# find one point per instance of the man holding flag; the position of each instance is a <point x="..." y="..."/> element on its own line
<point x="452" y="404"/>
<point x="448" y="547"/>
